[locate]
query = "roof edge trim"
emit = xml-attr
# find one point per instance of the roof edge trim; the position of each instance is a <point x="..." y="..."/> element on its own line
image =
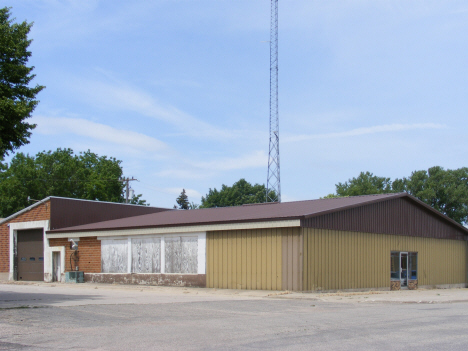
<point x="106" y="202"/>
<point x="390" y="196"/>
<point x="26" y="209"/>
<point x="179" y="229"/>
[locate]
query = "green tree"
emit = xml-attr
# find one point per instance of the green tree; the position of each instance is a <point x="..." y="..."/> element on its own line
<point x="182" y="201"/>
<point x="17" y="98"/>
<point x="60" y="173"/>
<point x="241" y="192"/>
<point x="364" y="184"/>
<point x="137" y="200"/>
<point x="444" y="190"/>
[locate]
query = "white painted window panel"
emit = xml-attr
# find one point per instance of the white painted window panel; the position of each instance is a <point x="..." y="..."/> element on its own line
<point x="146" y="255"/>
<point x="181" y="254"/>
<point x="114" y="256"/>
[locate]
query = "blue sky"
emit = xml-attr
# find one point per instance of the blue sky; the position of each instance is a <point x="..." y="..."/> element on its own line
<point x="179" y="89"/>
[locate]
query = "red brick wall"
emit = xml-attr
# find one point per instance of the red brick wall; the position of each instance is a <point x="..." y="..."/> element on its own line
<point x="39" y="213"/>
<point x="89" y="254"/>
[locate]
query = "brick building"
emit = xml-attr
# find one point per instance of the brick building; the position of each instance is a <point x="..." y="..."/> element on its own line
<point x="26" y="253"/>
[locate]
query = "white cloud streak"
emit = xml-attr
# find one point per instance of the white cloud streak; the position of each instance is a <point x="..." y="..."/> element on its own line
<point x="387" y="128"/>
<point x="97" y="131"/>
<point x="121" y="96"/>
<point x="203" y="170"/>
<point x="253" y="160"/>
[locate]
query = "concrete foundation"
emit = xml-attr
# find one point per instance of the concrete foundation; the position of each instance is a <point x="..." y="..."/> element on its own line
<point x="189" y="280"/>
<point x="395" y="285"/>
<point x="444" y="286"/>
<point x="412" y="284"/>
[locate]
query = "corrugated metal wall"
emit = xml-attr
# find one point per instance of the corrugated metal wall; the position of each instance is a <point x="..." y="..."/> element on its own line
<point x="85" y="212"/>
<point x="253" y="259"/>
<point x="354" y="260"/>
<point x="399" y="217"/>
<point x="292" y="259"/>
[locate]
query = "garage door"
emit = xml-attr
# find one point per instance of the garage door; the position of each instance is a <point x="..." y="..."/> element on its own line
<point x="30" y="254"/>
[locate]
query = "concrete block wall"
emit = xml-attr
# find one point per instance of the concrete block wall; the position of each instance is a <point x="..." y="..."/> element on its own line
<point x="38" y="213"/>
<point x="89" y="254"/>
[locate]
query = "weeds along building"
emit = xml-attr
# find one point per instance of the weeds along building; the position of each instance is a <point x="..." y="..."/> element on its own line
<point x="387" y="241"/>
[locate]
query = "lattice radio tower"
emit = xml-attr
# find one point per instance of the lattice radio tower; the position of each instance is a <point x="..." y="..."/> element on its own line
<point x="273" y="189"/>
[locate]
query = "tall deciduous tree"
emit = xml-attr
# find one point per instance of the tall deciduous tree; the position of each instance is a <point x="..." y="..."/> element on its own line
<point x="17" y="97"/>
<point x="364" y="184"/>
<point x="444" y="190"/>
<point x="60" y="173"/>
<point x="241" y="192"/>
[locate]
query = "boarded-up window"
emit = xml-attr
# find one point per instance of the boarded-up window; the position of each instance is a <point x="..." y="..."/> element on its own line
<point x="114" y="256"/>
<point x="146" y="255"/>
<point x="181" y="254"/>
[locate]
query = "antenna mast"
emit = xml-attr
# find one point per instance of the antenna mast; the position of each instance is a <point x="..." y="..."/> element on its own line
<point x="273" y="178"/>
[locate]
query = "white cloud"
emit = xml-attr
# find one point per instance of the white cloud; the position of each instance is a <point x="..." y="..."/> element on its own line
<point x="365" y="131"/>
<point x="185" y="173"/>
<point x="97" y="131"/>
<point x="121" y="96"/>
<point x="252" y="160"/>
<point x="208" y="169"/>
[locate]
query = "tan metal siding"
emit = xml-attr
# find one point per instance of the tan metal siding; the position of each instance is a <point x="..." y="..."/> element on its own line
<point x="354" y="260"/>
<point x="292" y="259"/>
<point x="245" y="259"/>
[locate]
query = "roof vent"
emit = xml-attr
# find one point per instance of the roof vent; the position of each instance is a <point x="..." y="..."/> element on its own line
<point x="263" y="203"/>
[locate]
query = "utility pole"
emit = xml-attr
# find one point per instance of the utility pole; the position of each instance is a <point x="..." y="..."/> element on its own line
<point x="127" y="190"/>
<point x="273" y="177"/>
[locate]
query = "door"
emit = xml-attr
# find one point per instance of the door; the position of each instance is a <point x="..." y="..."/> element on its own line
<point x="30" y="254"/>
<point x="56" y="267"/>
<point x="404" y="269"/>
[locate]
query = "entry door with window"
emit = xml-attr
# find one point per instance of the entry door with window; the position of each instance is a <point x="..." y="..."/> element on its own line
<point x="404" y="269"/>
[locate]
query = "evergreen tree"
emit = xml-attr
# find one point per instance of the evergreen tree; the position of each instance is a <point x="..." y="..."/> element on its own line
<point x="182" y="201"/>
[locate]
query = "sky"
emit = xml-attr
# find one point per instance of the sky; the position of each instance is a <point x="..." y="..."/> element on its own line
<point x="178" y="90"/>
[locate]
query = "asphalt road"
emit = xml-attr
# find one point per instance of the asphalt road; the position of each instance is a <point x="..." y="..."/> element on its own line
<point x="64" y="317"/>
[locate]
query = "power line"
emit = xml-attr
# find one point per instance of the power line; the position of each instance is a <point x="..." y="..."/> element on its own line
<point x="71" y="179"/>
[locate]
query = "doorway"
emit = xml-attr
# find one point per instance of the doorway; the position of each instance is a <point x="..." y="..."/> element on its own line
<point x="404" y="269"/>
<point x="56" y="267"/>
<point x="30" y="254"/>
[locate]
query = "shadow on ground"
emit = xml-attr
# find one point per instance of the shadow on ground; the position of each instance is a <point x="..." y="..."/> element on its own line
<point x="18" y="299"/>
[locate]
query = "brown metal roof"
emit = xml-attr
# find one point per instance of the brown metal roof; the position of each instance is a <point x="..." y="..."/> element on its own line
<point x="246" y="213"/>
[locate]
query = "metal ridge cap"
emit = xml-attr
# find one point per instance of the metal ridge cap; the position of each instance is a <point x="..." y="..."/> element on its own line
<point x="347" y="207"/>
<point x="26" y="209"/>
<point x="107" y="202"/>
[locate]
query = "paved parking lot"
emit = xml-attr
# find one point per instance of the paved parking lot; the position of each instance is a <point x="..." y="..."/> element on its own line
<point x="112" y="317"/>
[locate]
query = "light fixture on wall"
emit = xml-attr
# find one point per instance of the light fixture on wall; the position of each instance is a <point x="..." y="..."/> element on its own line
<point x="73" y="244"/>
